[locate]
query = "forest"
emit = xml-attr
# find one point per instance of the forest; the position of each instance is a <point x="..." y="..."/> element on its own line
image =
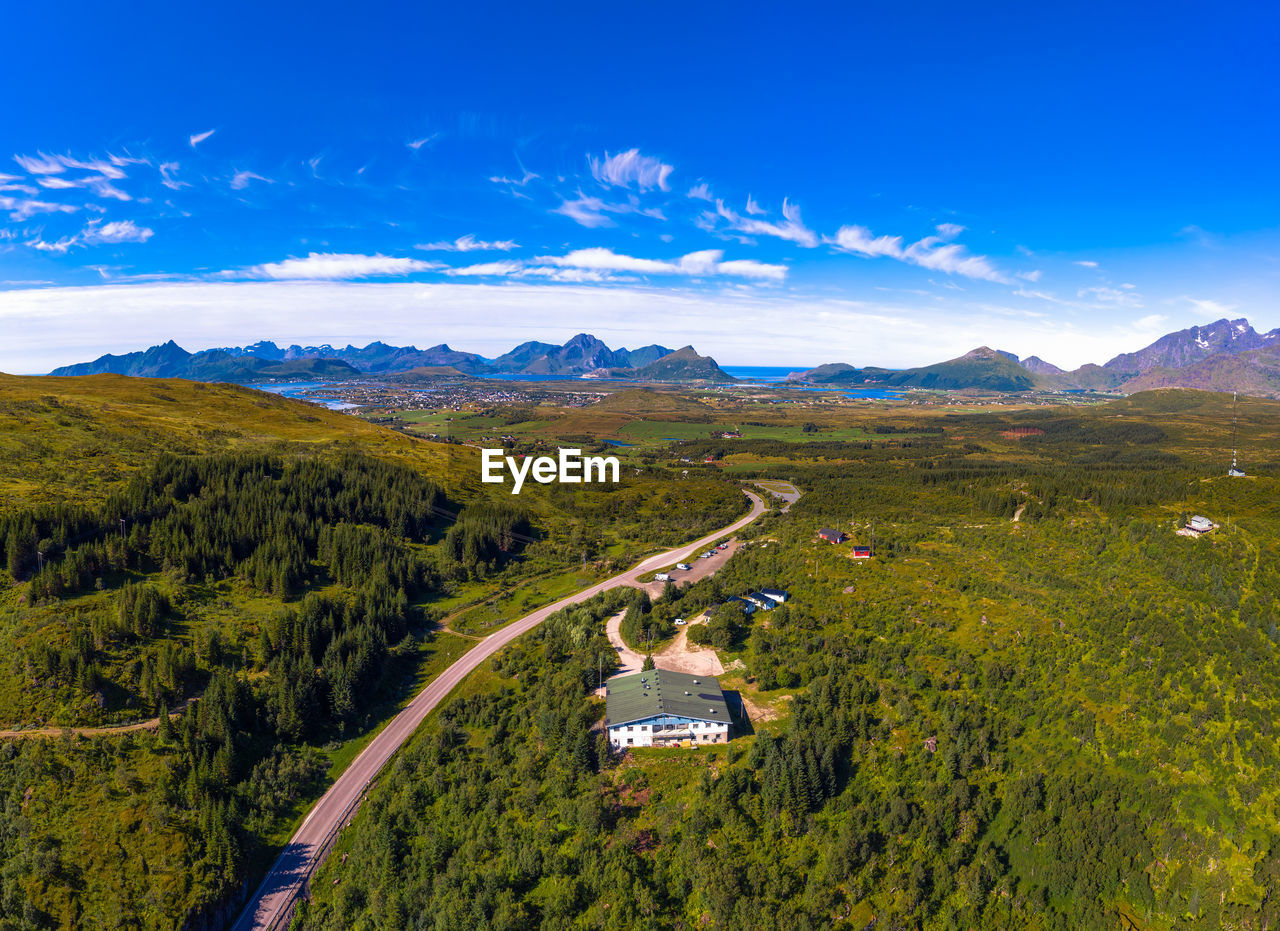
<point x="1036" y="707"/>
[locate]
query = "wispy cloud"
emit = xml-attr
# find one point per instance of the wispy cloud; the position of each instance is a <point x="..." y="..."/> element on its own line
<point x="112" y="167"/>
<point x="241" y="179"/>
<point x="336" y="266"/>
<point x="167" y="172"/>
<point x="96" y="233"/>
<point x="1087" y="263"/>
<point x="521" y="182"/>
<point x="933" y="252"/>
<point x="201" y="137"/>
<point x="861" y="241"/>
<point x="417" y="144"/>
<point x="40" y="164"/>
<point x="469" y="243"/>
<point x="24" y="208"/>
<point x="590" y="211"/>
<point x="116" y="232"/>
<point x="57" y="247"/>
<point x="754" y="208"/>
<point x="700" y="191"/>
<point x="705" y="263"/>
<point x="791" y="228"/>
<point x="630" y="168"/>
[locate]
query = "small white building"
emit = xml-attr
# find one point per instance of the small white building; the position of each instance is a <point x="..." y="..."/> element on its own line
<point x="1200" y="524"/>
<point x="661" y="708"/>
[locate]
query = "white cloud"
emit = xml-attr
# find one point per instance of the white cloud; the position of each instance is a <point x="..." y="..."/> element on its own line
<point x="932" y="252"/>
<point x="23" y="209"/>
<point x="201" y="137"/>
<point x="40" y="164"/>
<point x="586" y="211"/>
<point x="486" y="268"/>
<point x="1032" y="276"/>
<point x="590" y="211"/>
<point x="700" y="191"/>
<point x="705" y="263"/>
<point x="105" y="189"/>
<point x="951" y="258"/>
<point x="469" y="243"/>
<point x="628" y="168"/>
<point x="96" y="233"/>
<point x="117" y="232"/>
<point x="791" y="228"/>
<point x="167" y="172"/>
<point x="417" y="144"/>
<point x="860" y="241"/>
<point x="528" y="176"/>
<point x="336" y="266"/>
<point x="240" y="180"/>
<point x="58" y="247"/>
<point x="1087" y="263"/>
<point x="55" y="183"/>
<point x="753" y="208"/>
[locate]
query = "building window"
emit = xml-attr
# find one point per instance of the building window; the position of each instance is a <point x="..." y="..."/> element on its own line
<point x="630" y="740"/>
<point x="630" y="728"/>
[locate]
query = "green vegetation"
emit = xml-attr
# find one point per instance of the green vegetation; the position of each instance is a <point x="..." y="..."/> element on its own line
<point x="271" y="571"/>
<point x="1036" y="706"/>
<point x="1063" y="720"/>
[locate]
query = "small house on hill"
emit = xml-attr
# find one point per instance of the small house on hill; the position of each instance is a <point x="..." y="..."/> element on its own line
<point x="661" y="708"/>
<point x="1200" y="524"/>
<point x="776" y="594"/>
<point x="862" y="552"/>
<point x="832" y="536"/>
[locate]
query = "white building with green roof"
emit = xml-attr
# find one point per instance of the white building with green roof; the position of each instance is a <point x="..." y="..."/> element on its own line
<point x="661" y="708"/>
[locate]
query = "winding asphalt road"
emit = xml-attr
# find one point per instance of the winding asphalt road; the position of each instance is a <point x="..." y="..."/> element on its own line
<point x="273" y="902"/>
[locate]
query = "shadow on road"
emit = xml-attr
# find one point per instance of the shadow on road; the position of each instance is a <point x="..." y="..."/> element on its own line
<point x="288" y="871"/>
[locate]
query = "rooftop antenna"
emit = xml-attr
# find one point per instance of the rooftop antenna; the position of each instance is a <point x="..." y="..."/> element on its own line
<point x="1235" y="471"/>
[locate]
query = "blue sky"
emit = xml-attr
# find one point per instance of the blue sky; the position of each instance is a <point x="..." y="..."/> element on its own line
<point x="776" y="186"/>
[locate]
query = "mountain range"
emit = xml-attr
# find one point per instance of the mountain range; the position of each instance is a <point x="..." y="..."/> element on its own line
<point x="583" y="355"/>
<point x="1226" y="355"/>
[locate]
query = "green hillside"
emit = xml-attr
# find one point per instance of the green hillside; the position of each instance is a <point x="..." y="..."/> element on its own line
<point x="683" y="365"/>
<point x="274" y="573"/>
<point x="1035" y="707"/>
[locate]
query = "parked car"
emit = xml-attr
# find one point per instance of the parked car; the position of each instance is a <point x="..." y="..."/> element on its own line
<point x="679" y="622"/>
<point x="684" y="566"/>
<point x="723" y="546"/>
